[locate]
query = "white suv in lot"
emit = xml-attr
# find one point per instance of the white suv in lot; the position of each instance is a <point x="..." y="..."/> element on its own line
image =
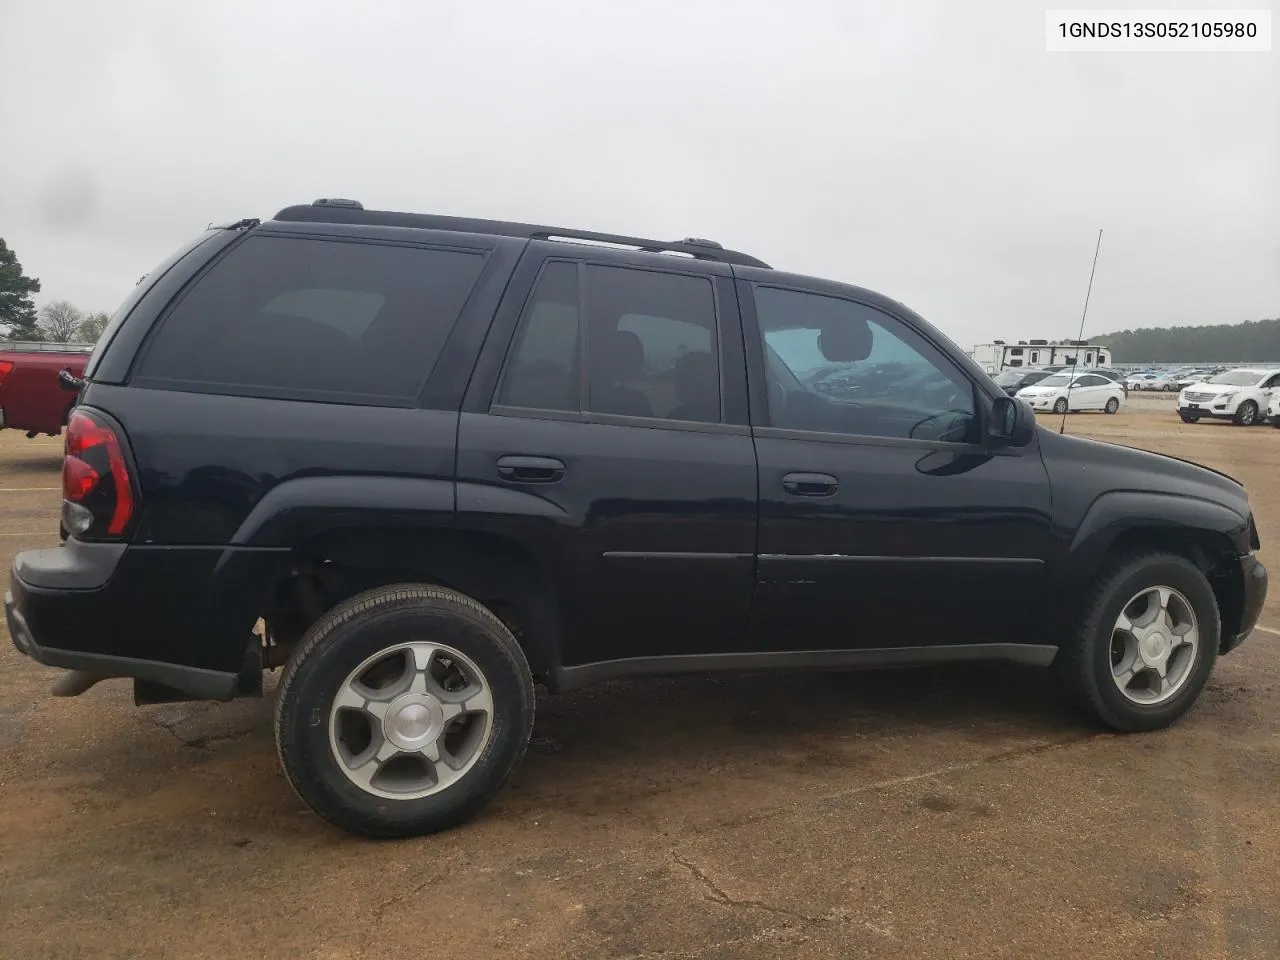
<point x="1243" y="395"/>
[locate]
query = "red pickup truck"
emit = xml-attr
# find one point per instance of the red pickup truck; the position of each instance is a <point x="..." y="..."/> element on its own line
<point x="32" y="397"/>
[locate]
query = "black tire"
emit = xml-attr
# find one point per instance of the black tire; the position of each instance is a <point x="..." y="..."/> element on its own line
<point x="1060" y="406"/>
<point x="1247" y="414"/>
<point x="1112" y="405"/>
<point x="357" y="629"/>
<point x="1083" y="664"/>
<point x="1275" y="422"/>
<point x="1190" y="417"/>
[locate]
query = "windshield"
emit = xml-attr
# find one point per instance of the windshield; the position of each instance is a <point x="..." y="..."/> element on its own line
<point x="1008" y="378"/>
<point x="1057" y="380"/>
<point x="1236" y="378"/>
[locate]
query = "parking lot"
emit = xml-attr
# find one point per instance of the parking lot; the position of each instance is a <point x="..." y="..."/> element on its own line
<point x="956" y="812"/>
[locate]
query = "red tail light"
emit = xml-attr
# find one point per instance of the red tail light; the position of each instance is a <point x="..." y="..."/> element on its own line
<point x="97" y="490"/>
<point x="5" y="367"/>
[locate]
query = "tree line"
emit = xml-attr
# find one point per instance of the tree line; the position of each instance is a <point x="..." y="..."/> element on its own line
<point x="1252" y="340"/>
<point x="56" y="322"/>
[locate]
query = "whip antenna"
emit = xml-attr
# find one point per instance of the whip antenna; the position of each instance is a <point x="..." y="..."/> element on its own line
<point x="1080" y="336"/>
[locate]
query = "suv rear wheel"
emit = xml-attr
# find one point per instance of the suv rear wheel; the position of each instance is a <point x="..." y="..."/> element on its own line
<point x="1146" y="644"/>
<point x="404" y="711"/>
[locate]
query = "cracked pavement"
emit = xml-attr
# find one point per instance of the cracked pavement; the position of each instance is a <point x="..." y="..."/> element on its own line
<point x="949" y="813"/>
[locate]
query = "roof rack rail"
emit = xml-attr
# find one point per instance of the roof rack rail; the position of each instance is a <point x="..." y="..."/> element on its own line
<point x="350" y="211"/>
<point x="248" y="223"/>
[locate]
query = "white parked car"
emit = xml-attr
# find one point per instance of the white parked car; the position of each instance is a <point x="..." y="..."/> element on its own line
<point x="1243" y="395"/>
<point x="1085" y="391"/>
<point x="1185" y="380"/>
<point x="1148" y="381"/>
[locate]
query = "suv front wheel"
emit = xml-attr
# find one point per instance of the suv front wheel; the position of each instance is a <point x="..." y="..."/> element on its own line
<point x="1247" y="414"/>
<point x="1146" y="644"/>
<point x="404" y="711"/>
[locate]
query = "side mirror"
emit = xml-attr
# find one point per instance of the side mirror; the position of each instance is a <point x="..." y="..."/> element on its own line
<point x="1012" y="423"/>
<point x="69" y="381"/>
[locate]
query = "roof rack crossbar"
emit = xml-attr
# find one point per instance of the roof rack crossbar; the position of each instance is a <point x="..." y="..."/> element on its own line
<point x="700" y="249"/>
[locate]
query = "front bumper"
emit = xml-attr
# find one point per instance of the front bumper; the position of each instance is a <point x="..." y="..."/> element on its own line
<point x="178" y="616"/>
<point x="1211" y="412"/>
<point x="1222" y="409"/>
<point x="1042" y="403"/>
<point x="1253" y="594"/>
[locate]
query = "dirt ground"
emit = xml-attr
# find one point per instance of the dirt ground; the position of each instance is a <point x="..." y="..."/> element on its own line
<point x="954" y="812"/>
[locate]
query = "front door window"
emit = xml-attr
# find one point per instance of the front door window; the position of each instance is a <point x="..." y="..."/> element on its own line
<point x="838" y="366"/>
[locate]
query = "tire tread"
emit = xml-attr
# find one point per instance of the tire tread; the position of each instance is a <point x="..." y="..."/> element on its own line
<point x="1072" y="663"/>
<point x="376" y="600"/>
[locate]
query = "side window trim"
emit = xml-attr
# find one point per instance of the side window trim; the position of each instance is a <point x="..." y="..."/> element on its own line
<point x="582" y="415"/>
<point x="761" y="415"/>
<point x="514" y="340"/>
<point x="877" y="440"/>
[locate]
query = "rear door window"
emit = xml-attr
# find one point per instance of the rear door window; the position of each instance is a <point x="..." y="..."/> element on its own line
<point x="650" y="345"/>
<point x="313" y="319"/>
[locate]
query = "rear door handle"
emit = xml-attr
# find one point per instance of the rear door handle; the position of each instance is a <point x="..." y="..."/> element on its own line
<point x="810" y="484"/>
<point x="530" y="469"/>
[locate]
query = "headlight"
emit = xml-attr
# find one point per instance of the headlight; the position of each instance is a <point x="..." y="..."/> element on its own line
<point x="1228" y="395"/>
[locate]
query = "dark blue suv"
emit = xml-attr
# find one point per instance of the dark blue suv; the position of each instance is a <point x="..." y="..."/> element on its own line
<point x="422" y="462"/>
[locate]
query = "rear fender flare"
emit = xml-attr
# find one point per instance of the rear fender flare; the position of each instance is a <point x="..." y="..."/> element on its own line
<point x="407" y="527"/>
<point x="293" y="510"/>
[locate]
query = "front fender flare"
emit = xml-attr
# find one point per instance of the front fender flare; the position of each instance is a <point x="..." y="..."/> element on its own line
<point x="1113" y="514"/>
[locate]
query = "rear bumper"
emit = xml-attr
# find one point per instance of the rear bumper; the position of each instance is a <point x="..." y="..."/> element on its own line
<point x="178" y="616"/>
<point x="1255" y="594"/>
<point x="204" y="684"/>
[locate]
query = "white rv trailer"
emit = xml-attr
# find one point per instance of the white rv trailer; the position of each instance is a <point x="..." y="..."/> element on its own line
<point x="999" y="355"/>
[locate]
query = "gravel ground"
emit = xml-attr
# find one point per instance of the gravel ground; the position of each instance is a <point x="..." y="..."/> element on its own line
<point x="927" y="813"/>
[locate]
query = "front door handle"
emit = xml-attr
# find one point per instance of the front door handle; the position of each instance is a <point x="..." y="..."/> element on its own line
<point x="810" y="484"/>
<point x="530" y="469"/>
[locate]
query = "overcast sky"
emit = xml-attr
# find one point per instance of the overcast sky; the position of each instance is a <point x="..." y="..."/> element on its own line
<point x="930" y="150"/>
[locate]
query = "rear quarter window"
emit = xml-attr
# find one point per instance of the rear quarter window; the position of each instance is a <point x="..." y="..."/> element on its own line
<point x="145" y="283"/>
<point x="313" y="319"/>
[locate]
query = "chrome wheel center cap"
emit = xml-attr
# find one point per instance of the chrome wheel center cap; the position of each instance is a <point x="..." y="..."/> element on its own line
<point x="1155" y="647"/>
<point x="413" y="721"/>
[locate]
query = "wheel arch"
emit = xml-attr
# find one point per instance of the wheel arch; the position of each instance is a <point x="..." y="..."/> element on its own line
<point x="504" y="575"/>
<point x="1208" y="534"/>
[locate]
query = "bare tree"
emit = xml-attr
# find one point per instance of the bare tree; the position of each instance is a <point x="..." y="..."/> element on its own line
<point x="59" y="321"/>
<point x="91" y="329"/>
